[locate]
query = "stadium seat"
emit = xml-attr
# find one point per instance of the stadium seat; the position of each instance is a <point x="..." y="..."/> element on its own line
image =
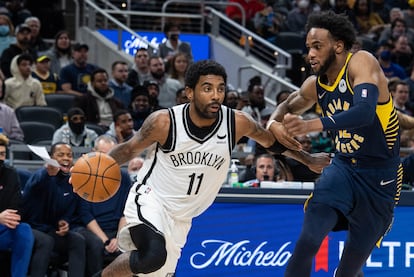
<point x="291" y="42"/>
<point x="44" y="114"/>
<point x="62" y="102"/>
<point x="98" y="129"/>
<point x="35" y="131"/>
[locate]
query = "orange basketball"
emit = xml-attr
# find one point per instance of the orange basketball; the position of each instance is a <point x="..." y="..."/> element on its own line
<point x="95" y="177"/>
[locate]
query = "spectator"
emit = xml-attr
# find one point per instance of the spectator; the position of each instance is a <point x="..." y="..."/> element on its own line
<point x="297" y="17"/>
<point x="410" y="81"/>
<point x="256" y="98"/>
<point x="282" y="96"/>
<point x="103" y="219"/>
<point x="390" y="69"/>
<point x="99" y="103"/>
<point x="368" y="21"/>
<point x="36" y="41"/>
<point x="15" y="235"/>
<point x="181" y="97"/>
<point x="22" y="89"/>
<point x="301" y="172"/>
<point x="398" y="27"/>
<point x="268" y="22"/>
<point x="61" y="52"/>
<point x="16" y="10"/>
<point x="266" y="170"/>
<point x="48" y="80"/>
<point x="22" y="46"/>
<point x="179" y="66"/>
<point x="139" y="73"/>
<point x="232" y="98"/>
<point x="6" y="33"/>
<point x="122" y="91"/>
<point x="250" y="7"/>
<point x="9" y="124"/>
<point x="50" y="205"/>
<point x="173" y="45"/>
<point x="122" y="129"/>
<point x="400" y="96"/>
<point x="75" y="77"/>
<point x="74" y="132"/>
<point x="167" y="86"/>
<point x="153" y="92"/>
<point x="134" y="166"/>
<point x="140" y="107"/>
<point x="402" y="53"/>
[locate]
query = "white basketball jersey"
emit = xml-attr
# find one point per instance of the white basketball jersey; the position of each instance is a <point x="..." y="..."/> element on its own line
<point x="187" y="176"/>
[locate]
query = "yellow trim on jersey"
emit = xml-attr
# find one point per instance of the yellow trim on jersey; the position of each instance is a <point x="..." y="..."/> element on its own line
<point x="383" y="113"/>
<point x="338" y="78"/>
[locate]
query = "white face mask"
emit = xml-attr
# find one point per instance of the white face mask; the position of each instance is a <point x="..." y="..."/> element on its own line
<point x="303" y="4"/>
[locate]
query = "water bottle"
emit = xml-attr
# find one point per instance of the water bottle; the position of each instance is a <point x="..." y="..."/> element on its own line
<point x="234" y="174"/>
<point x="88" y="141"/>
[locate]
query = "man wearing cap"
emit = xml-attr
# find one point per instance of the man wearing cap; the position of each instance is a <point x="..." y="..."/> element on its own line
<point x="74" y="78"/>
<point x="153" y="92"/>
<point x="140" y="107"/>
<point x="42" y="72"/>
<point x="22" y="46"/>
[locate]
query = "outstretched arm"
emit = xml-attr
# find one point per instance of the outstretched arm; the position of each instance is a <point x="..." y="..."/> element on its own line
<point x="297" y="103"/>
<point x="406" y="121"/>
<point x="247" y="126"/>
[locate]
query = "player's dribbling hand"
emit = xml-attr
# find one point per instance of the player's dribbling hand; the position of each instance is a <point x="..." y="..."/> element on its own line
<point x="282" y="136"/>
<point x="319" y="161"/>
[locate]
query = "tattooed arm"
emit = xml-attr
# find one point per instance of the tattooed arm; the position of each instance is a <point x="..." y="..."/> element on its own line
<point x="154" y="130"/>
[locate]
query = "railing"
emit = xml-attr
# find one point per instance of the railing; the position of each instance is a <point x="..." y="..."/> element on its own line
<point x="198" y="15"/>
<point x="272" y="81"/>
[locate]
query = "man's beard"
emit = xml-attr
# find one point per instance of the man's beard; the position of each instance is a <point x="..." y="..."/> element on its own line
<point x="328" y="62"/>
<point x="157" y="75"/>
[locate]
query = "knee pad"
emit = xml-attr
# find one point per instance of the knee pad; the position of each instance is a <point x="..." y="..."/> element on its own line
<point x="149" y="259"/>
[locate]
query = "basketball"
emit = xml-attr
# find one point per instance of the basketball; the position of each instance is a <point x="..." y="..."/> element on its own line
<point x="95" y="177"/>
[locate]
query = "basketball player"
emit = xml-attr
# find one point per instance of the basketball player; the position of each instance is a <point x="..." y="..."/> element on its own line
<point x="181" y="178"/>
<point x="358" y="190"/>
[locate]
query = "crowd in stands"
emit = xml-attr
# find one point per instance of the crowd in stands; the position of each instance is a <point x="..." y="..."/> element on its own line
<point x="109" y="105"/>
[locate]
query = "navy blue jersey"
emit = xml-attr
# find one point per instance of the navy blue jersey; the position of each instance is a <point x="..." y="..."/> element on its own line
<point x="379" y="140"/>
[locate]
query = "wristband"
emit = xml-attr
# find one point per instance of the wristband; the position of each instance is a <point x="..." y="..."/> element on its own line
<point x="107" y="242"/>
<point x="277" y="148"/>
<point x="269" y="123"/>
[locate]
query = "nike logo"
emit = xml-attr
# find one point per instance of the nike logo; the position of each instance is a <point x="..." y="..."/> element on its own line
<point x="320" y="96"/>
<point x="221" y="137"/>
<point x="66" y="193"/>
<point x="383" y="183"/>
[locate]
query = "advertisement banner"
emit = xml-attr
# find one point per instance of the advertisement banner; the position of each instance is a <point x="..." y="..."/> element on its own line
<point x="242" y="239"/>
<point x="200" y="44"/>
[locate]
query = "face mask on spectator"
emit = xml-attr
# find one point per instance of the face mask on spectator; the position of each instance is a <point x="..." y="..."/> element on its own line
<point x="4" y="30"/>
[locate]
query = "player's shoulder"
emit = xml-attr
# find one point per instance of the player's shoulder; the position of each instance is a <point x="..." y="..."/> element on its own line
<point x="363" y="57"/>
<point x="159" y="119"/>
